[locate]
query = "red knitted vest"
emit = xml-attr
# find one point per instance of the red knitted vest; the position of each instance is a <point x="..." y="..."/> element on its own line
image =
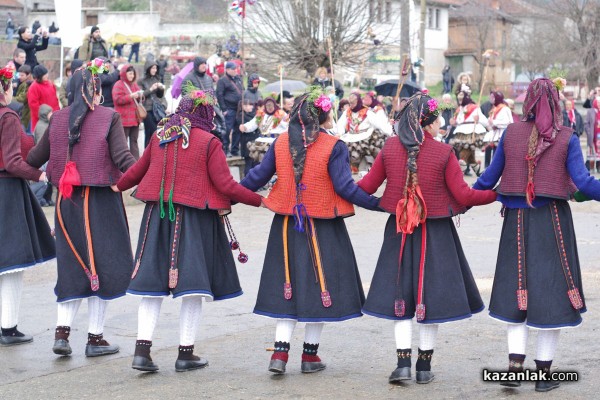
<point x="193" y="186"/>
<point x="91" y="154"/>
<point x="26" y="141"/>
<point x="550" y="178"/>
<point x="431" y="166"/>
<point x="320" y="198"/>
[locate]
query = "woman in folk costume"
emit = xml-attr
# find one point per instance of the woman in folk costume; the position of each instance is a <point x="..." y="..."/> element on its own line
<point x="271" y="121"/>
<point x="310" y="273"/>
<point x="538" y="280"/>
<point x="25" y="233"/>
<point x="500" y="117"/>
<point x="183" y="249"/>
<point x="469" y="132"/>
<point x="87" y="152"/>
<point x="422" y="270"/>
<point x="364" y="131"/>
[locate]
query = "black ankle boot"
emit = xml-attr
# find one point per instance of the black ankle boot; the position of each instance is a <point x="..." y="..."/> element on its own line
<point x="423" y="367"/>
<point x="402" y="371"/>
<point x="12" y="337"/>
<point x="187" y="361"/>
<point x="61" y="341"/>
<point x="515" y="364"/>
<point x="141" y="358"/>
<point x="97" y="346"/>
<point x="279" y="358"/>
<point x="545" y="384"/>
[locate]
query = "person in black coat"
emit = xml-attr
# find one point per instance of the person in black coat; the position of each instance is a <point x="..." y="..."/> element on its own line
<point x="28" y="42"/>
<point x="229" y="95"/>
<point x="324" y="80"/>
<point x="572" y="118"/>
<point x="199" y="76"/>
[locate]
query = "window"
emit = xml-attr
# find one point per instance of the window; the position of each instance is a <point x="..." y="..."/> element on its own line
<point x="433" y="18"/>
<point x="380" y="10"/>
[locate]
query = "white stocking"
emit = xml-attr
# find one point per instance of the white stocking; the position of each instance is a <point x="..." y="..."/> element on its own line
<point x="67" y="310"/>
<point x="427" y="336"/>
<point x="148" y="317"/>
<point x="97" y="315"/>
<point x="189" y="319"/>
<point x="517" y="338"/>
<point x="312" y="332"/>
<point x="546" y="344"/>
<point x="284" y="330"/>
<point x="403" y="333"/>
<point x="11" y="285"/>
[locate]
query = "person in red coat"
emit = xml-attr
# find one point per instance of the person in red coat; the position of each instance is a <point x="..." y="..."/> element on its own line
<point x="126" y="94"/>
<point x="422" y="270"/>
<point x="26" y="239"/>
<point x="183" y="249"/>
<point x="41" y="91"/>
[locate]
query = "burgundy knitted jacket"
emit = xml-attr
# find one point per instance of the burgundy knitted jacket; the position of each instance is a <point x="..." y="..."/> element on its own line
<point x="441" y="180"/>
<point x="550" y="178"/>
<point x="14" y="146"/>
<point x="202" y="177"/>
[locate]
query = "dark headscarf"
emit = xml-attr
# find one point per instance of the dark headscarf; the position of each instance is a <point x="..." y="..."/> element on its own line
<point x="270" y="100"/>
<point x="542" y="103"/>
<point x="84" y="85"/>
<point x="374" y="101"/>
<point x="466" y="99"/>
<point x="498" y="98"/>
<point x="200" y="116"/>
<point x="75" y="65"/>
<point x="359" y="104"/>
<point x="420" y="111"/>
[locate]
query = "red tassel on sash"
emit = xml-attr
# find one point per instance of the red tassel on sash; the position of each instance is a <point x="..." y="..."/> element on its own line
<point x="69" y="178"/>
<point x="410" y="211"/>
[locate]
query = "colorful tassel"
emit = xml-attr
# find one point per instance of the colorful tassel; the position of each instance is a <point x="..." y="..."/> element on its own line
<point x="287" y="291"/>
<point x="530" y="193"/>
<point x="300" y="215"/>
<point x="399" y="307"/>
<point x="95" y="283"/>
<point x="243" y="258"/>
<point x="171" y="206"/>
<point x="69" y="178"/>
<point x="522" y="299"/>
<point x="420" y="312"/>
<point x="326" y="298"/>
<point x="161" y="200"/>
<point x="575" y="298"/>
<point x="173" y="278"/>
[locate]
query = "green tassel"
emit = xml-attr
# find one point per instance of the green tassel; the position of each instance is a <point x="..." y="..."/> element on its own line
<point x="162" y="206"/>
<point x="171" y="207"/>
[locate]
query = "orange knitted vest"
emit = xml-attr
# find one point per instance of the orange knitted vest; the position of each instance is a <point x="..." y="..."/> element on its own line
<point x="320" y="198"/>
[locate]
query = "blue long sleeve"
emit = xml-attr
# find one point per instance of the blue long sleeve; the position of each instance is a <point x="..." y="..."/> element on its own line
<point x="260" y="175"/>
<point x="341" y="176"/>
<point x="580" y="176"/>
<point x="492" y="174"/>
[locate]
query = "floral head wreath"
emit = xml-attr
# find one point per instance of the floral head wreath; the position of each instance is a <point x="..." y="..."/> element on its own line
<point x="199" y="97"/>
<point x="6" y="75"/>
<point x="96" y="66"/>
<point x="433" y="109"/>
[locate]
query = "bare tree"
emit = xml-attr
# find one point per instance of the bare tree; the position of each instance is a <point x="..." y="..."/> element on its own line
<point x="583" y="17"/>
<point x="296" y="31"/>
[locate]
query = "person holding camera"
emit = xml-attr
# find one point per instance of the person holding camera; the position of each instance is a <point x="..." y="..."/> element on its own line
<point x="93" y="46"/>
<point x="127" y="95"/>
<point x="29" y="43"/>
<point x="155" y="102"/>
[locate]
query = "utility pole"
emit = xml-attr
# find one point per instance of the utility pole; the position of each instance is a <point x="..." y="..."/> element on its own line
<point x="422" y="43"/>
<point x="404" y="27"/>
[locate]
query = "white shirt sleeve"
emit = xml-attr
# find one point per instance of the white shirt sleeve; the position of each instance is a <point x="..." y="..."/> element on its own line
<point x="503" y="119"/>
<point x="341" y="124"/>
<point x="251" y="125"/>
<point x="379" y="121"/>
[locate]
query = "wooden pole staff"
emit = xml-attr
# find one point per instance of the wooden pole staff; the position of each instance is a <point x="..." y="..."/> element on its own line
<point x="280" y="67"/>
<point x="332" y="74"/>
<point x="404" y="71"/>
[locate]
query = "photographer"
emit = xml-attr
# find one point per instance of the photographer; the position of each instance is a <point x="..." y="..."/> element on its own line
<point x="93" y="46"/>
<point x="155" y="102"/>
<point x="28" y="42"/>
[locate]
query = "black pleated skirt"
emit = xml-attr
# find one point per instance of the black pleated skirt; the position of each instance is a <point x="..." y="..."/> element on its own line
<point x="110" y="243"/>
<point x="25" y="233"/>
<point x="341" y="274"/>
<point x="450" y="292"/>
<point x="202" y="255"/>
<point x="548" y="305"/>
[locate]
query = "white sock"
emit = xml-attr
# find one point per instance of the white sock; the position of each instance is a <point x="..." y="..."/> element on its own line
<point x="11" y="285"/>
<point x="517" y="338"/>
<point x="67" y="310"/>
<point x="403" y="333"/>
<point x="189" y="319"/>
<point x="97" y="315"/>
<point x="148" y="317"/>
<point x="546" y="344"/>
<point x="427" y="336"/>
<point x="312" y="332"/>
<point x="284" y="330"/>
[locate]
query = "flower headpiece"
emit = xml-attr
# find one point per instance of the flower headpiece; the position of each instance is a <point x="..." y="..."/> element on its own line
<point x="432" y="110"/>
<point x="199" y="97"/>
<point x="559" y="83"/>
<point x="96" y="66"/>
<point x="323" y="102"/>
<point x="6" y="75"/>
<point x="317" y="100"/>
